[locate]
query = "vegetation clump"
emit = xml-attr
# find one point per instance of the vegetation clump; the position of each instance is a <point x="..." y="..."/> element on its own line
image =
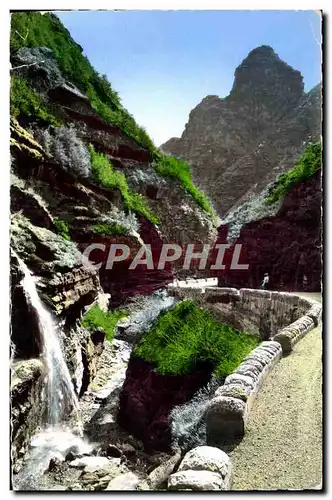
<point x="96" y="318"/>
<point x="309" y="163"/>
<point x="105" y="175"/>
<point x="171" y="167"/>
<point x="189" y="335"/>
<point x="62" y="228"/>
<point x="24" y="100"/>
<point x="110" y="229"/>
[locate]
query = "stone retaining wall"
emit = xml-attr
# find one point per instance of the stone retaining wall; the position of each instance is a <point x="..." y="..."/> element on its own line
<point x="280" y="319"/>
<point x="260" y="312"/>
<point x="202" y="469"/>
<point x="228" y="411"/>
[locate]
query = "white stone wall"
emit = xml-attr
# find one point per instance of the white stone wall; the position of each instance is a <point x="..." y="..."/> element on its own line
<point x="204" y="468"/>
<point x="260" y="312"/>
<point x="228" y="411"/>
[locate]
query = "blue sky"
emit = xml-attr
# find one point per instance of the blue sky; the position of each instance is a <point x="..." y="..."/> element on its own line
<point x="164" y="63"/>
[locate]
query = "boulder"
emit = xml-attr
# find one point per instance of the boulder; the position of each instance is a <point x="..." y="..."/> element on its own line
<point x="225" y="419"/>
<point x="54" y="463"/>
<point x="197" y="480"/>
<point x="113" y="451"/>
<point x="238" y="379"/>
<point x="128" y="481"/>
<point x="234" y="391"/>
<point x="206" y="458"/>
<point x="91" y="463"/>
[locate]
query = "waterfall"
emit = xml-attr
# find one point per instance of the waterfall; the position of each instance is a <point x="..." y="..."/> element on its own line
<point x="60" y="400"/>
<point x="60" y="397"/>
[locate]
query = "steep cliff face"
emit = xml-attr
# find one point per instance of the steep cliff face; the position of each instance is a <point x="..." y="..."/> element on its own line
<point x="56" y="185"/>
<point x="287" y="246"/>
<point x="82" y="172"/>
<point x="239" y="144"/>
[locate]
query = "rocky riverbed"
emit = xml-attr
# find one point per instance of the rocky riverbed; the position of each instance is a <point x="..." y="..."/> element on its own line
<point x="91" y="451"/>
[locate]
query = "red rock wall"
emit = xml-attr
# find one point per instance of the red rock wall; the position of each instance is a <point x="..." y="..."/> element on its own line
<point x="287" y="246"/>
<point x="147" y="399"/>
<point x="122" y="282"/>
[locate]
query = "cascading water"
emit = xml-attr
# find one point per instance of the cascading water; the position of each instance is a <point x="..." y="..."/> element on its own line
<point x="58" y="395"/>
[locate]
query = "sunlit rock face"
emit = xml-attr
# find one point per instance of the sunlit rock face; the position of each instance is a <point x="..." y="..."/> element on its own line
<point x="238" y="144"/>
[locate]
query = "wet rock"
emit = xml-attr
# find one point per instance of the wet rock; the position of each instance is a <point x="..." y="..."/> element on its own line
<point x="55" y="462"/>
<point x="98" y="336"/>
<point x="113" y="451"/>
<point x="91" y="463"/>
<point x="109" y="450"/>
<point x="128" y="448"/>
<point x="26" y="407"/>
<point x="127" y="481"/>
<point x="71" y="456"/>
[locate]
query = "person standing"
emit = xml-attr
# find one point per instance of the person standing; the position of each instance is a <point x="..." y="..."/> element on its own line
<point x="265" y="282"/>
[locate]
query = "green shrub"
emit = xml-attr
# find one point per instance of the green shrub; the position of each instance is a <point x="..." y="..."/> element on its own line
<point x="24" y="100"/>
<point x="96" y="318"/>
<point x="309" y="163"/>
<point x="168" y="166"/>
<point x="110" y="229"/>
<point x="188" y="335"/>
<point x="32" y="29"/>
<point x="104" y="173"/>
<point x="62" y="228"/>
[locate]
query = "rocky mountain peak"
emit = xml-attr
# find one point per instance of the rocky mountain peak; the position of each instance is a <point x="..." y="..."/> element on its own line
<point x="237" y="145"/>
<point x="263" y="75"/>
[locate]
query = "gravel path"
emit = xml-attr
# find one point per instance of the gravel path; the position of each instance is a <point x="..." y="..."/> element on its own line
<point x="282" y="447"/>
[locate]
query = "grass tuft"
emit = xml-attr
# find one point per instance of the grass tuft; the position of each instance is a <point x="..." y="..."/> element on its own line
<point x="188" y="335"/>
<point x="104" y="173"/>
<point x="171" y="167"/>
<point x="96" y="318"/>
<point x="62" y="228"/>
<point x="309" y="163"/>
<point x="110" y="229"/>
<point x="24" y="100"/>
